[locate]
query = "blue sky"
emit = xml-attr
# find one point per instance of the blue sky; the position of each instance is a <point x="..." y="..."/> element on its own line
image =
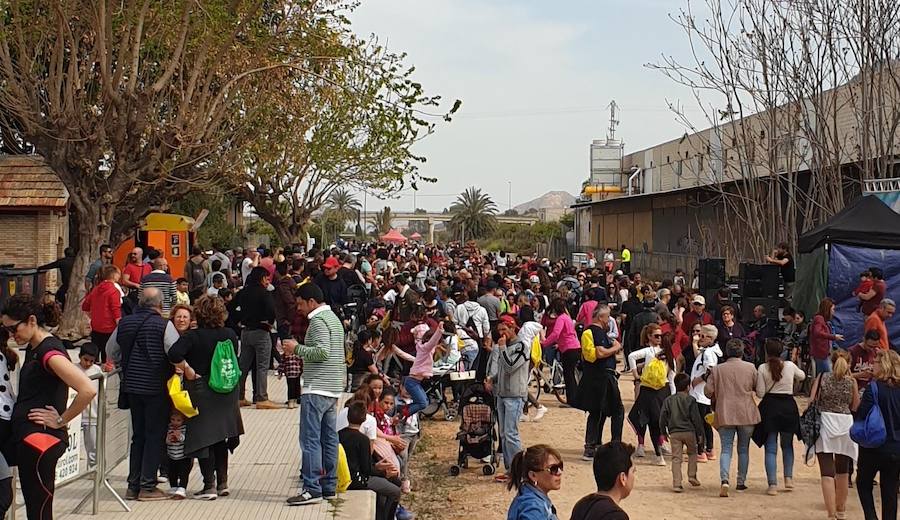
<point x="535" y="78"/>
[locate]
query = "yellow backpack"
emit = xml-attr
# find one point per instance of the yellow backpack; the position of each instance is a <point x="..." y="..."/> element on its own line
<point x="654" y="374"/>
<point x="537" y="352"/>
<point x="588" y="349"/>
<point x="343" y="471"/>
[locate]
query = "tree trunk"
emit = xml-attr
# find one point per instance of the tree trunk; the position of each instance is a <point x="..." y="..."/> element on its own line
<point x="93" y="230"/>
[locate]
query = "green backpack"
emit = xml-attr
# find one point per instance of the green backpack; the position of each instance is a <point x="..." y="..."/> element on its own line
<point x="224" y="372"/>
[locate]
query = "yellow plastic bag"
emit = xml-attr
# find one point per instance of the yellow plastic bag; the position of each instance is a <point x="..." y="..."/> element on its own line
<point x="537" y="353"/>
<point x="180" y="397"/>
<point x="343" y="471"/>
<point x="654" y="374"/>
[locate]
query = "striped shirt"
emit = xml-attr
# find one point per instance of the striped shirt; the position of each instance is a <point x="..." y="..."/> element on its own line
<point x="162" y="281"/>
<point x="175" y="442"/>
<point x="324" y="367"/>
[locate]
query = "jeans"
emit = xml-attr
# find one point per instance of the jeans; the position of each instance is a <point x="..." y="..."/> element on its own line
<point x="787" y="456"/>
<point x="593" y="431"/>
<point x="468" y="357"/>
<point x="726" y="435"/>
<point x="319" y="443"/>
<point x="256" y="343"/>
<point x="89" y="439"/>
<point x="872" y="461"/>
<point x="823" y="366"/>
<point x="387" y="496"/>
<point x="149" y="420"/>
<point x="509" y="409"/>
<point x="417" y="393"/>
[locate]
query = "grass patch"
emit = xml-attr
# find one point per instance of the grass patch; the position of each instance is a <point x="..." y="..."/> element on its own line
<point x="431" y="479"/>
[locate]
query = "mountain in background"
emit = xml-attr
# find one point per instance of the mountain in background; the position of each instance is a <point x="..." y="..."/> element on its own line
<point x="549" y="200"/>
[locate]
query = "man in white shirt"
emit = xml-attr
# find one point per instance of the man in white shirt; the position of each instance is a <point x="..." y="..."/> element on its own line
<point x="707" y="358"/>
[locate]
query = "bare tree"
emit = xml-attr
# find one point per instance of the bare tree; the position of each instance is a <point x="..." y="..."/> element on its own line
<point x="784" y="87"/>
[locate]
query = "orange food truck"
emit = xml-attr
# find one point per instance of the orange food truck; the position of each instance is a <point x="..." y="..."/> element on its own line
<point x="172" y="234"/>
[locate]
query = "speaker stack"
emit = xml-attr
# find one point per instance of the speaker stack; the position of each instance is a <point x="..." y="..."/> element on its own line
<point x="760" y="284"/>
<point x="712" y="277"/>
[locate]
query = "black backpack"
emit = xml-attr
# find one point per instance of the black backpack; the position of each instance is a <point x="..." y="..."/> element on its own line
<point x="197" y="275"/>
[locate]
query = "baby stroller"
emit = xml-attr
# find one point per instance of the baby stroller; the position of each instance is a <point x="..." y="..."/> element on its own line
<point x="476" y="429"/>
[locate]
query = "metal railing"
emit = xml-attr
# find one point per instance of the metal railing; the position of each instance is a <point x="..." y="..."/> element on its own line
<point x="99" y="470"/>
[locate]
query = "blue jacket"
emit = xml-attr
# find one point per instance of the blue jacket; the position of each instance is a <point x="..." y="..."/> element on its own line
<point x="531" y="504"/>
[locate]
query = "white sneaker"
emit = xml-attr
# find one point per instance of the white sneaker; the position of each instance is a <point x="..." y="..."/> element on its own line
<point x="660" y="461"/>
<point x="665" y="450"/>
<point x="180" y="493"/>
<point x="639" y="452"/>
<point x="539" y="413"/>
<point x="524" y="418"/>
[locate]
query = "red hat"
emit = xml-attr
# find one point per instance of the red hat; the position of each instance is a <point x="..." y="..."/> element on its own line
<point x="509" y="320"/>
<point x="331" y="262"/>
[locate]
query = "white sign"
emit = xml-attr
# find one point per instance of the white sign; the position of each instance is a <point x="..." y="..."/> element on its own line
<point x="68" y="466"/>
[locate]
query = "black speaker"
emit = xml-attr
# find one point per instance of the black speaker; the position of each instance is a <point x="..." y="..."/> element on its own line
<point x="771" y="305"/>
<point x="760" y="280"/>
<point x="712" y="273"/>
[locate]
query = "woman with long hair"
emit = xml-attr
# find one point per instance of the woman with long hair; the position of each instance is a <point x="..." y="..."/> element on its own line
<point x="821" y="336"/>
<point x="648" y="400"/>
<point x="362" y="362"/>
<point x="562" y="334"/>
<point x="885" y="459"/>
<point x="38" y="436"/>
<point x="778" y="412"/>
<point x="837" y="396"/>
<point x="534" y="473"/>
<point x="216" y="430"/>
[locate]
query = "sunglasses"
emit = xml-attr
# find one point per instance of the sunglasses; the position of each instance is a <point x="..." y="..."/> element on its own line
<point x="554" y="469"/>
<point x="13" y="328"/>
<point x="656" y="335"/>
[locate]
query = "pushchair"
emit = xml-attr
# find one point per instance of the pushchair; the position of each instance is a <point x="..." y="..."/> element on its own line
<point x="477" y="434"/>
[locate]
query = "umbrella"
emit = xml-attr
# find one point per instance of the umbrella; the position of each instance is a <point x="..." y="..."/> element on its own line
<point x="394" y="237"/>
<point x="415" y="236"/>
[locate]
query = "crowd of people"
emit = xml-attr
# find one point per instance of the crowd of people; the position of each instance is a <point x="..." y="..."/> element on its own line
<point x="378" y="320"/>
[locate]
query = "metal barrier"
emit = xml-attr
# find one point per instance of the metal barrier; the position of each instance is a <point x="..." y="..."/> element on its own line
<point x="98" y="471"/>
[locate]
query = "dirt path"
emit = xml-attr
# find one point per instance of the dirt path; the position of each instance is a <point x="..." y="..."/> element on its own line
<point x="471" y="495"/>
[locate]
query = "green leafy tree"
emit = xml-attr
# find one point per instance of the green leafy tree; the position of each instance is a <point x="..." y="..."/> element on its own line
<point x="344" y="206"/>
<point x="473" y="214"/>
<point x="217" y="229"/>
<point x="132" y="104"/>
<point x="350" y="124"/>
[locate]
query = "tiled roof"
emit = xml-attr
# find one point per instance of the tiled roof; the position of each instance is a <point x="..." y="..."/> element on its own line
<point x="27" y="181"/>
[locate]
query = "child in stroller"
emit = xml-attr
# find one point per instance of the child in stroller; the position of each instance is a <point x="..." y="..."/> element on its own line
<point x="476" y="435"/>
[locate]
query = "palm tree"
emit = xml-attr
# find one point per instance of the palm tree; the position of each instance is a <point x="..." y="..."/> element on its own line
<point x="473" y="214"/>
<point x="343" y="206"/>
<point x="382" y="221"/>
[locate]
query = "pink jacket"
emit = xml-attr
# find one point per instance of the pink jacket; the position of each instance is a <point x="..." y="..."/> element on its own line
<point x="424" y="362"/>
<point x="586" y="313"/>
<point x="563" y="335"/>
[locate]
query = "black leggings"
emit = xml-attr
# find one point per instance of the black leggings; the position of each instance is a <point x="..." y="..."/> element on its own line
<point x="887" y="465"/>
<point x="37" y="474"/>
<point x="831" y="464"/>
<point x="645" y="413"/>
<point x="6" y="496"/>
<point x="570" y="359"/>
<point x="215" y="467"/>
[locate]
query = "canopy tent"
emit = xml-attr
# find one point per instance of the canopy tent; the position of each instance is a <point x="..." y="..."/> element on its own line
<point x="415" y="236"/>
<point x="864" y="234"/>
<point x="393" y="237"/>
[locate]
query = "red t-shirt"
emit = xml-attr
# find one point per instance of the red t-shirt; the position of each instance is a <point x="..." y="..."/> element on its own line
<point x="861" y="359"/>
<point x="869" y="306"/>
<point x="136" y="272"/>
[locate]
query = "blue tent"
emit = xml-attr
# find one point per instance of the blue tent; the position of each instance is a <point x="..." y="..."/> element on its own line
<point x="864" y="234"/>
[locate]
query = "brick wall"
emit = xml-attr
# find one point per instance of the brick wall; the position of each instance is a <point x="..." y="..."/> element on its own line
<point x="30" y="239"/>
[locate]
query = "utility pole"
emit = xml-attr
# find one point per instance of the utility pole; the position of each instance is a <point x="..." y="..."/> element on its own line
<point x="510" y="195"/>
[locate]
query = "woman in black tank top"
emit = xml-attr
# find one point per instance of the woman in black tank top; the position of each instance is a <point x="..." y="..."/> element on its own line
<point x="40" y="417"/>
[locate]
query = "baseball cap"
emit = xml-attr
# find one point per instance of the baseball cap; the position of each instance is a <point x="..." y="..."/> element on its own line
<point x="534" y="279"/>
<point x="331" y="262"/>
<point x="698" y="299"/>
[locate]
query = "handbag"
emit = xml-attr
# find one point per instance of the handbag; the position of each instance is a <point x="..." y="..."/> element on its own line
<point x="870" y="431"/>
<point x="811" y="421"/>
<point x="180" y="397"/>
